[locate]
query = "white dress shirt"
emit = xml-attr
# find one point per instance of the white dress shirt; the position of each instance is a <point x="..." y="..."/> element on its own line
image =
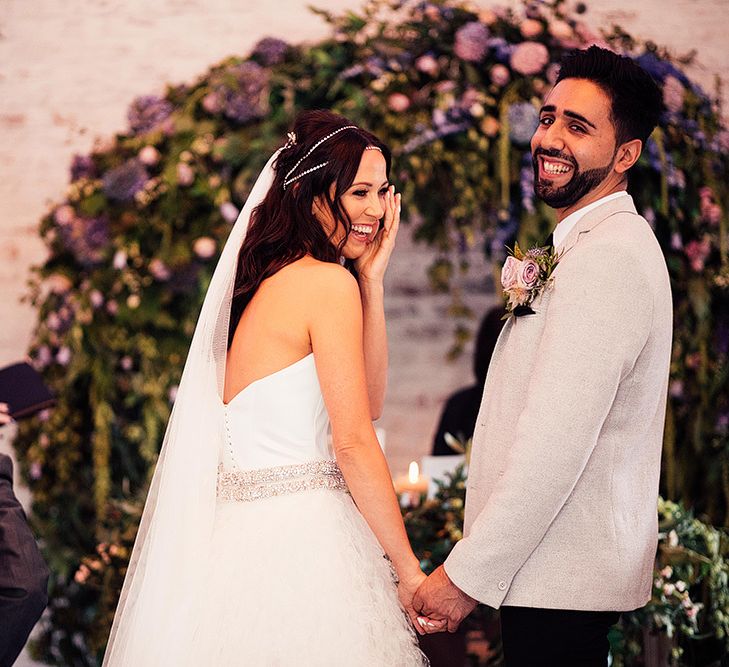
<point x="564" y="227"/>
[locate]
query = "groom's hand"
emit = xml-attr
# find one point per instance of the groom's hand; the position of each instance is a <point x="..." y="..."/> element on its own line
<point x="439" y="598"/>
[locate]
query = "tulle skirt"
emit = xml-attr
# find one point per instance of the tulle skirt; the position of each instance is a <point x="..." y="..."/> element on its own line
<point x="296" y="579"/>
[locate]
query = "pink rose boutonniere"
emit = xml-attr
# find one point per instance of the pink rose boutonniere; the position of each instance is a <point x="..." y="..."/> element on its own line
<point x="524" y="276"/>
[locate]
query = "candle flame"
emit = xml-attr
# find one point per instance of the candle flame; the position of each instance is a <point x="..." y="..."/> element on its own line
<point x="413" y="472"/>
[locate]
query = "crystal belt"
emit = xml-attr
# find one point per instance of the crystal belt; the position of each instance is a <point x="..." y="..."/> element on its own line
<point x="247" y="485"/>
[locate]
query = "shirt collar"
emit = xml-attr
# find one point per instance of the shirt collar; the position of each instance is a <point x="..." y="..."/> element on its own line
<point x="565" y="226"/>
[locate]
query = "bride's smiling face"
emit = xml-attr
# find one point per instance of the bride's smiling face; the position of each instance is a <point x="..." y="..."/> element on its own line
<point x="364" y="202"/>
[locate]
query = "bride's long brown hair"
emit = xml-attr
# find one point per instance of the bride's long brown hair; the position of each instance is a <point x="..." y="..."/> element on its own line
<point x="283" y="228"/>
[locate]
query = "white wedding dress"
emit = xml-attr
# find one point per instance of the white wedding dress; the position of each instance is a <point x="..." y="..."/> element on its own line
<point x="295" y="576"/>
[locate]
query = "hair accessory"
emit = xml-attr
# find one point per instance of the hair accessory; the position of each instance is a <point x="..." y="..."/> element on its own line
<point x="288" y="181"/>
<point x="373" y="148"/>
<point x="291" y="140"/>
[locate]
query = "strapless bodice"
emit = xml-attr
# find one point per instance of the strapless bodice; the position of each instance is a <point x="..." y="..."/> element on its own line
<point x="277" y="420"/>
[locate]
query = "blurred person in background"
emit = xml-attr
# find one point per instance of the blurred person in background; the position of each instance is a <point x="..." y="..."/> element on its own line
<point x="461" y="409"/>
<point x="23" y="573"/>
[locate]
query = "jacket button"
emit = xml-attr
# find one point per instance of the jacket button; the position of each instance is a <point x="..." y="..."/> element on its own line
<point x="502" y="585"/>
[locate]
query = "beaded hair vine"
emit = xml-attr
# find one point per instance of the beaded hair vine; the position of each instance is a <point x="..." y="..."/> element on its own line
<point x="288" y="180"/>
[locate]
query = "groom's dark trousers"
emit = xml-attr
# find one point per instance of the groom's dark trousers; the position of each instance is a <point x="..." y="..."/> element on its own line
<point x="555" y="637"/>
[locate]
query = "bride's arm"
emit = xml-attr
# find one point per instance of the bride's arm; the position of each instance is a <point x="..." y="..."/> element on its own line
<point x="336" y="331"/>
<point x="372" y="294"/>
<point x="371" y="269"/>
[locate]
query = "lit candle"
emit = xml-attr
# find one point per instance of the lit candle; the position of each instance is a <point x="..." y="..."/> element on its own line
<point x="411" y="487"/>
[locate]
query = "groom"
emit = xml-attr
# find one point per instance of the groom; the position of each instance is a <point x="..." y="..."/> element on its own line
<point x="561" y="521"/>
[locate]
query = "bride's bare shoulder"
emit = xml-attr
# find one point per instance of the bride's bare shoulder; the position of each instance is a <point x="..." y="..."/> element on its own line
<point x="314" y="275"/>
<point x="321" y="285"/>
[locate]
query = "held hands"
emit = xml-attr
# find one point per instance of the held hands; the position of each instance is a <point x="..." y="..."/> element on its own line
<point x="372" y="263"/>
<point x="440" y="600"/>
<point x="405" y="591"/>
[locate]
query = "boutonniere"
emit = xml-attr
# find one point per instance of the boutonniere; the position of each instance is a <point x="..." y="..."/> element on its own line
<point x="525" y="275"/>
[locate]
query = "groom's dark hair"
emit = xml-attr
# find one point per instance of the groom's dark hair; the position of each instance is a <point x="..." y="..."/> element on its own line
<point x="636" y="100"/>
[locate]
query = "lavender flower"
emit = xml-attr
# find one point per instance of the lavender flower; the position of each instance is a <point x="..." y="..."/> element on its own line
<point x="124" y="181"/>
<point x="270" y="51"/>
<point x="523" y="120"/>
<point x="471" y="42"/>
<point x="82" y="166"/>
<point x="147" y="112"/>
<point x="243" y="92"/>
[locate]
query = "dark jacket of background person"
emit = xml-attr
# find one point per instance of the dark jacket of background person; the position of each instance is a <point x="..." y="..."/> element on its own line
<point x="461" y="409"/>
<point x="23" y="573"/>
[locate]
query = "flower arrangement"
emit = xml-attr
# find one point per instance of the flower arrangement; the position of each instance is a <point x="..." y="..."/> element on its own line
<point x="525" y="275"/>
<point x="453" y="89"/>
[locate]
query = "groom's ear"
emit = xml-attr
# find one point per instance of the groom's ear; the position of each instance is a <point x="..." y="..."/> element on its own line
<point x="628" y="155"/>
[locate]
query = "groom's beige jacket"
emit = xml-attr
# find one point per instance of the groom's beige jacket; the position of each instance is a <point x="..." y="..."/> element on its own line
<point x="563" y="480"/>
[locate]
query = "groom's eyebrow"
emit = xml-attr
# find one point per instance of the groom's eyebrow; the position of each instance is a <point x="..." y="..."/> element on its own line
<point x="550" y="108"/>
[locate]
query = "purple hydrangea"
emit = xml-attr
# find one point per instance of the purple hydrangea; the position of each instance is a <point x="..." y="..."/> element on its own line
<point x="82" y="166"/>
<point x="147" y="112"/>
<point x="87" y="239"/>
<point x="502" y="50"/>
<point x="523" y="120"/>
<point x="247" y="98"/>
<point x="270" y="51"/>
<point x="659" y="69"/>
<point x="123" y="182"/>
<point x="471" y="43"/>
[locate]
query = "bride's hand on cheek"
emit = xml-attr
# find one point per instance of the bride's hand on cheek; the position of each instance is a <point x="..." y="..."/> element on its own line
<point x="371" y="265"/>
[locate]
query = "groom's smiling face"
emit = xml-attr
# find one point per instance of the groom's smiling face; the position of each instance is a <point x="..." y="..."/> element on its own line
<point x="574" y="146"/>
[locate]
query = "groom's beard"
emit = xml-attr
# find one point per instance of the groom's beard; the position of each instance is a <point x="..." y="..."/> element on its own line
<point x="579" y="185"/>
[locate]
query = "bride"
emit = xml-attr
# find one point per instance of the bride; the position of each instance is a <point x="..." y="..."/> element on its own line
<point x="263" y="542"/>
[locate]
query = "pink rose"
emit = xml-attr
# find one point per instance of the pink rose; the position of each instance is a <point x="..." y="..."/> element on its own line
<point x="211" y="103"/>
<point x="490" y="126"/>
<point x="427" y="64"/>
<point x="58" y="283"/>
<point x="500" y="75"/>
<point x="149" y="155"/>
<point x="398" y="102"/>
<point x="509" y="273"/>
<point x="697" y="252"/>
<point x="185" y="174"/>
<point x="63" y="215"/>
<point x="528" y="273"/>
<point x="204" y="247"/>
<point x="530" y="28"/>
<point x="529" y="58"/>
<point x="159" y="269"/>
<point x="560" y="29"/>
